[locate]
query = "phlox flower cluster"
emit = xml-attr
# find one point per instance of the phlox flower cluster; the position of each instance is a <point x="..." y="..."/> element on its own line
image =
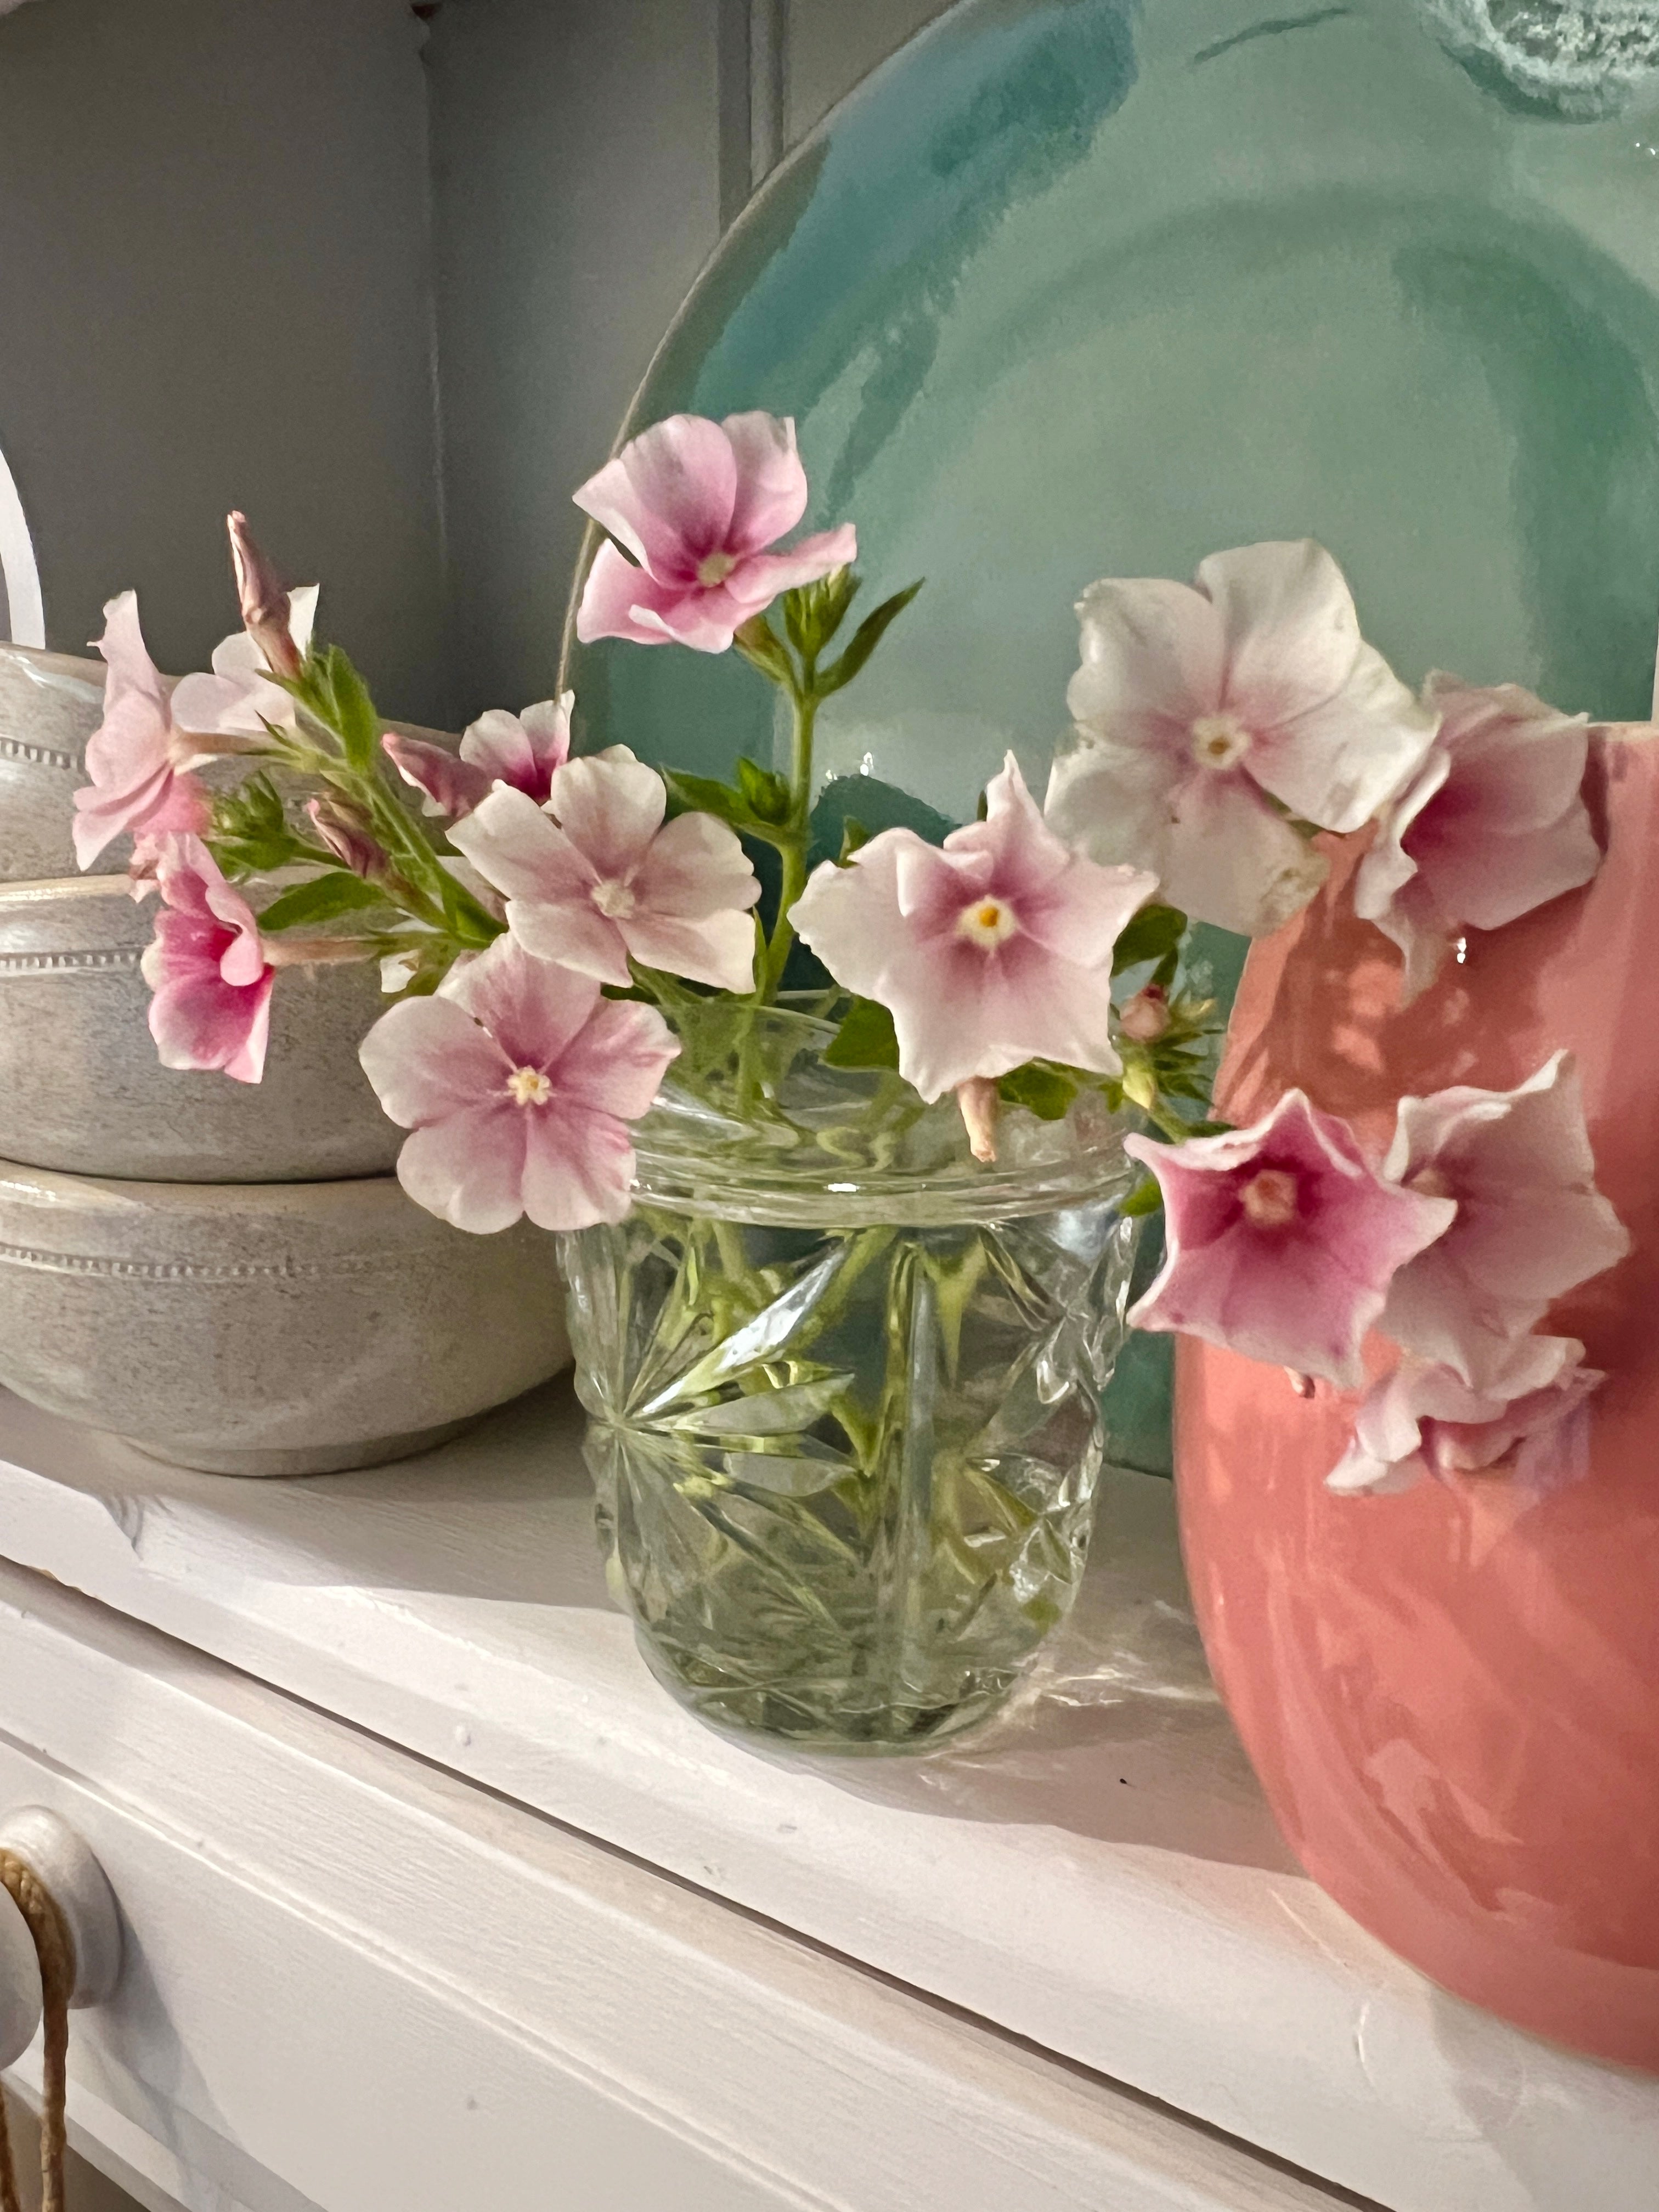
<point x="548" y="910"/>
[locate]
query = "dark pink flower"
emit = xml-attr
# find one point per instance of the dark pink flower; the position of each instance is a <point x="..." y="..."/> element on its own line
<point x="992" y="950"/>
<point x="137" y="759"/>
<point x="523" y="751"/>
<point x="1493" y="824"/>
<point x="698" y="504"/>
<point x="1282" y="1240"/>
<point x="206" y="968"/>
<point x="1527" y="1424"/>
<point x="518" y="1081"/>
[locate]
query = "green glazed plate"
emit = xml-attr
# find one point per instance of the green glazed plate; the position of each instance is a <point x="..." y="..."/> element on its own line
<point x="1071" y="289"/>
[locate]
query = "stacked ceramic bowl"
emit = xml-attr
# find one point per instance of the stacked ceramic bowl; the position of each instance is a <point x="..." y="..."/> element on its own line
<point x="229" y="1274"/>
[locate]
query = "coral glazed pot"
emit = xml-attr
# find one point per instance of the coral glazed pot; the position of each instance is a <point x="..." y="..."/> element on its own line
<point x="1451" y="1695"/>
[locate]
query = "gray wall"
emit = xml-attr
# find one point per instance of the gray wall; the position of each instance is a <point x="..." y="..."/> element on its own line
<point x="218" y="264"/>
<point x="215" y="291"/>
<point x="584" y="152"/>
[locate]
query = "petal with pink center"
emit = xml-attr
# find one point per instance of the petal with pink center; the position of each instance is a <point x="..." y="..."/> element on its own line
<point x="132" y="673"/>
<point x="469" y="1168"/>
<point x="1152" y="662"/>
<point x="522" y="749"/>
<point x="771" y="489"/>
<point x="1299" y="1287"/>
<point x="616" y="1064"/>
<point x="610" y="806"/>
<point x="427" y="1060"/>
<point x="1530" y="1225"/>
<point x="701" y="621"/>
<point x="1334" y="731"/>
<point x="759" y="577"/>
<point x="199" y="1021"/>
<point x="668" y="496"/>
<point x="850" y="916"/>
<point x="620" y="600"/>
<point x="1229" y="858"/>
<point x="1070" y="905"/>
<point x="695" y="866"/>
<point x="532" y="1008"/>
<point x="718" y="950"/>
<point x="578" y="1171"/>
<point x="514" y="846"/>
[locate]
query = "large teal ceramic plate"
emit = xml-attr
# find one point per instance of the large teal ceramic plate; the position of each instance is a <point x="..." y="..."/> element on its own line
<point x="1073" y="289"/>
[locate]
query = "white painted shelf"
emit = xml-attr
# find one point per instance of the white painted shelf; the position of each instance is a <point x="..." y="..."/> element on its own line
<point x="1097" y="1874"/>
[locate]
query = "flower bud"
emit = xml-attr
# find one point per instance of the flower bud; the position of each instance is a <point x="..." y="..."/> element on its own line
<point x="266" y="615"/>
<point x="1146" y="1016"/>
<point x="977" y="1099"/>
<point x="348" y="836"/>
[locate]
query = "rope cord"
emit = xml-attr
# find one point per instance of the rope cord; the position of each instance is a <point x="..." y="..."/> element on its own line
<point x="57" y="1955"/>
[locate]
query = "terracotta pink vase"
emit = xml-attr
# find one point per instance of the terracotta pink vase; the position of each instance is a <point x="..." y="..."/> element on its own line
<point x="1451" y="1697"/>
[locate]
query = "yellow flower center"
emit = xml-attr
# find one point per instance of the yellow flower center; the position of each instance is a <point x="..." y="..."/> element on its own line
<point x="1219" y="741"/>
<point x="1271" y="1199"/>
<point x="714" y="568"/>
<point x="988" y="923"/>
<point x="614" y="900"/>
<point x="528" y="1086"/>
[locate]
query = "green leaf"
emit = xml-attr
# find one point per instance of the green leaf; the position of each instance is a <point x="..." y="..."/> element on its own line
<point x="864" y="1039"/>
<point x="1145" y="1198"/>
<point x="865" y="640"/>
<point x="766" y="792"/>
<point x="1042" y="1090"/>
<point x="812" y="613"/>
<point x="351" y="713"/>
<point x="853" y="834"/>
<point x="1154" y="934"/>
<point x="320" y="898"/>
<point x="762" y="648"/>
<point x="702" y="794"/>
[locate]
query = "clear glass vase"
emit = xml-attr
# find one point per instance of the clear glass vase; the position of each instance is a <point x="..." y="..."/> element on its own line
<point x="844" y="1384"/>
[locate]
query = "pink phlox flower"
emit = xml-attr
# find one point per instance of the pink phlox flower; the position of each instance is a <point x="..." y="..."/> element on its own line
<point x="1198" y="706"/>
<point x="597" y="877"/>
<point x="238" y="698"/>
<point x="1530" y="1222"/>
<point x="991" y="951"/>
<point x="518" y="1081"/>
<point x="698" y="504"/>
<point x="136" y="758"/>
<point x="1529" y="1423"/>
<point x="522" y="749"/>
<point x="206" y="968"/>
<point x="1493" y="824"/>
<point x="1281" y="1240"/>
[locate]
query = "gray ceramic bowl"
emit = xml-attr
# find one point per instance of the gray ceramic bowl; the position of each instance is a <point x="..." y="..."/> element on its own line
<point x="81" y="1087"/>
<point x="267" y="1329"/>
<point x="50" y="705"/>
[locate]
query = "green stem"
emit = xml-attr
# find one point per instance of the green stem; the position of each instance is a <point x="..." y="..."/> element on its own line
<point x="794" y="846"/>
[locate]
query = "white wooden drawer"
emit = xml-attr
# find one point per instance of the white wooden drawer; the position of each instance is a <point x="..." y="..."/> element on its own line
<point x="354" y="1981"/>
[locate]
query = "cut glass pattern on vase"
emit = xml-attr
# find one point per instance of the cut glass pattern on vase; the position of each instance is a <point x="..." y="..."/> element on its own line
<point x="846" y="1464"/>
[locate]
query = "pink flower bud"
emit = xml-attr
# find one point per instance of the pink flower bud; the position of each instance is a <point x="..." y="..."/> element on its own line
<point x="1146" y="1016"/>
<point x="266" y="615"/>
<point x="348" y="838"/>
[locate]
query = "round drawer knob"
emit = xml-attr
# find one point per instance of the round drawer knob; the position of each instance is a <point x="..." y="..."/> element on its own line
<point x="66" y="1869"/>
